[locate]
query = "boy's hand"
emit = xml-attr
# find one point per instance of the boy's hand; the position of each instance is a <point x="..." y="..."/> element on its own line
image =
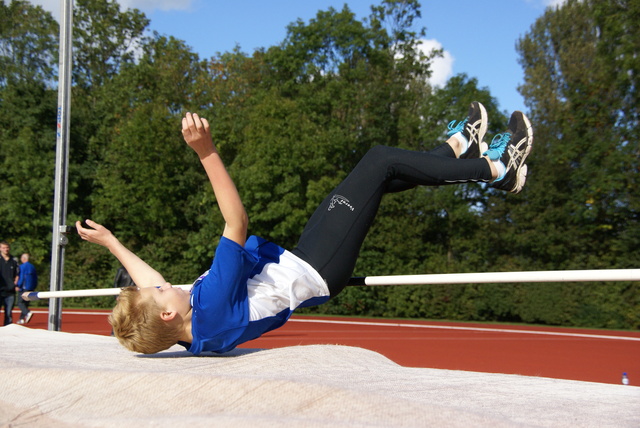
<point x="196" y="133"/>
<point x="98" y="234"/>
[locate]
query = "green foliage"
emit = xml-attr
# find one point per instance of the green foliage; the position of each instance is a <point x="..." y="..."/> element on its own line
<point x="27" y="141"/>
<point x="291" y="121"/>
<point x="580" y="207"/>
<point x="105" y="39"/>
<point x="28" y="43"/>
<point x="578" y="90"/>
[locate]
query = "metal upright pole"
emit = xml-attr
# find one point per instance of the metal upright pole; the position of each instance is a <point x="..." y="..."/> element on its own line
<point x="59" y="239"/>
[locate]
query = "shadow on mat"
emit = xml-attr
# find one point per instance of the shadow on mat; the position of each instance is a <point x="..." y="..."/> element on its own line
<point x="238" y="352"/>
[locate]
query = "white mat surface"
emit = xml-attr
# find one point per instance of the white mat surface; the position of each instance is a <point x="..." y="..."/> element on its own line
<point x="57" y="379"/>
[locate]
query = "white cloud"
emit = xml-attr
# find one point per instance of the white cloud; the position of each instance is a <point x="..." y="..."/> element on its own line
<point x="149" y="5"/>
<point x="442" y="66"/>
<point x="554" y="3"/>
<point x="548" y="3"/>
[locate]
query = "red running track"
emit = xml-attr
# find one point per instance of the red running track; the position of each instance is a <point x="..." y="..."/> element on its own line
<point x="562" y="353"/>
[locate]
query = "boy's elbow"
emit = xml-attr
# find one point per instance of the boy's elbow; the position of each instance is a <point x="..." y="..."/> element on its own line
<point x="240" y="221"/>
<point x="244" y="221"/>
<point x="237" y="230"/>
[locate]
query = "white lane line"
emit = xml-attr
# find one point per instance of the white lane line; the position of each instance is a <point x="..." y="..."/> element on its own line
<point x="482" y="329"/>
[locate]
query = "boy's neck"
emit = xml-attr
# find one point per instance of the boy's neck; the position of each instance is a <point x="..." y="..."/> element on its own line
<point x="186" y="336"/>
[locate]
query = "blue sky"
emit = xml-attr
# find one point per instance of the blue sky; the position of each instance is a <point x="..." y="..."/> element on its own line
<point x="478" y="36"/>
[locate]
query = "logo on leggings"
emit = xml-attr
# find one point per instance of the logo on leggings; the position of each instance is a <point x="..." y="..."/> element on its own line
<point x="339" y="200"/>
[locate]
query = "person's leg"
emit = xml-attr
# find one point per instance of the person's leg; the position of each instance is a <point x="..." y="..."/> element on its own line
<point x="8" y="307"/>
<point x="446" y="149"/>
<point x="24" y="307"/>
<point x="465" y="141"/>
<point x="27" y="318"/>
<point x="3" y="306"/>
<point x="332" y="238"/>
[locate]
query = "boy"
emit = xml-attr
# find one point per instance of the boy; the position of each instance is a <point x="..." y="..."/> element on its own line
<point x="253" y="286"/>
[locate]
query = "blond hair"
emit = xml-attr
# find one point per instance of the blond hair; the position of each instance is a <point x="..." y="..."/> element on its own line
<point x="138" y="326"/>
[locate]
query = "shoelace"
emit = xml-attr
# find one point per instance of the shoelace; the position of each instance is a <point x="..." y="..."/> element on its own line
<point x="498" y="146"/>
<point x="454" y="129"/>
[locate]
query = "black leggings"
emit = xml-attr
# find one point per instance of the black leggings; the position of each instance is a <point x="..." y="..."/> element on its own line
<point x="331" y="239"/>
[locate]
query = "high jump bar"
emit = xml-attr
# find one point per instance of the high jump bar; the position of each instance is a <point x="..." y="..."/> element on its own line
<point x="93" y="292"/>
<point x="503" y="277"/>
<point x="429" y="279"/>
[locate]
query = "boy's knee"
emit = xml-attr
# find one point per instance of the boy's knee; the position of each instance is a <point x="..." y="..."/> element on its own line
<point x="378" y="150"/>
<point x="377" y="153"/>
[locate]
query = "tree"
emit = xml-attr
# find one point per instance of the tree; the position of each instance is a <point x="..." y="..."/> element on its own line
<point x="580" y="207"/>
<point x="586" y="165"/>
<point x="331" y="90"/>
<point x="28" y="53"/>
<point x="104" y="39"/>
<point x="28" y="43"/>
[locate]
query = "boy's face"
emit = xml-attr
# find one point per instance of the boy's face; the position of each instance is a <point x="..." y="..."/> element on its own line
<point x="169" y="298"/>
<point x="4" y="249"/>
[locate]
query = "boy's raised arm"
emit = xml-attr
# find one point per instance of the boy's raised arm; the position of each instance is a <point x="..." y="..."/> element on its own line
<point x="141" y="273"/>
<point x="197" y="135"/>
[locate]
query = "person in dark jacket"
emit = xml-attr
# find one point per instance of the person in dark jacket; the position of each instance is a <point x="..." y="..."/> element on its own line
<point x="9" y="271"/>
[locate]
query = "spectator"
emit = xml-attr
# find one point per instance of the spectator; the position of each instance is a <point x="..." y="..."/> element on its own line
<point x="8" y="279"/>
<point x="27" y="281"/>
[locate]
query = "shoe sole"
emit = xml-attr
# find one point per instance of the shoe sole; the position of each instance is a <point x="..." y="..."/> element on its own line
<point x="483" y="128"/>
<point x="484" y="117"/>
<point x="521" y="171"/>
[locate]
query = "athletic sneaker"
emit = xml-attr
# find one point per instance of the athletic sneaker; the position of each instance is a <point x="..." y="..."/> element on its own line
<point x="509" y="150"/>
<point x="28" y="317"/>
<point x="471" y="130"/>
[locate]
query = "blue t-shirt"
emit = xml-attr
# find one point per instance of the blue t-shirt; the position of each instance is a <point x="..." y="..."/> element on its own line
<point x="249" y="291"/>
<point x="28" y="279"/>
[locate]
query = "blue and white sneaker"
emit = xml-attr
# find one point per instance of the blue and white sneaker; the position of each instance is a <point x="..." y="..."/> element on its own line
<point x="471" y="131"/>
<point x="509" y="151"/>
